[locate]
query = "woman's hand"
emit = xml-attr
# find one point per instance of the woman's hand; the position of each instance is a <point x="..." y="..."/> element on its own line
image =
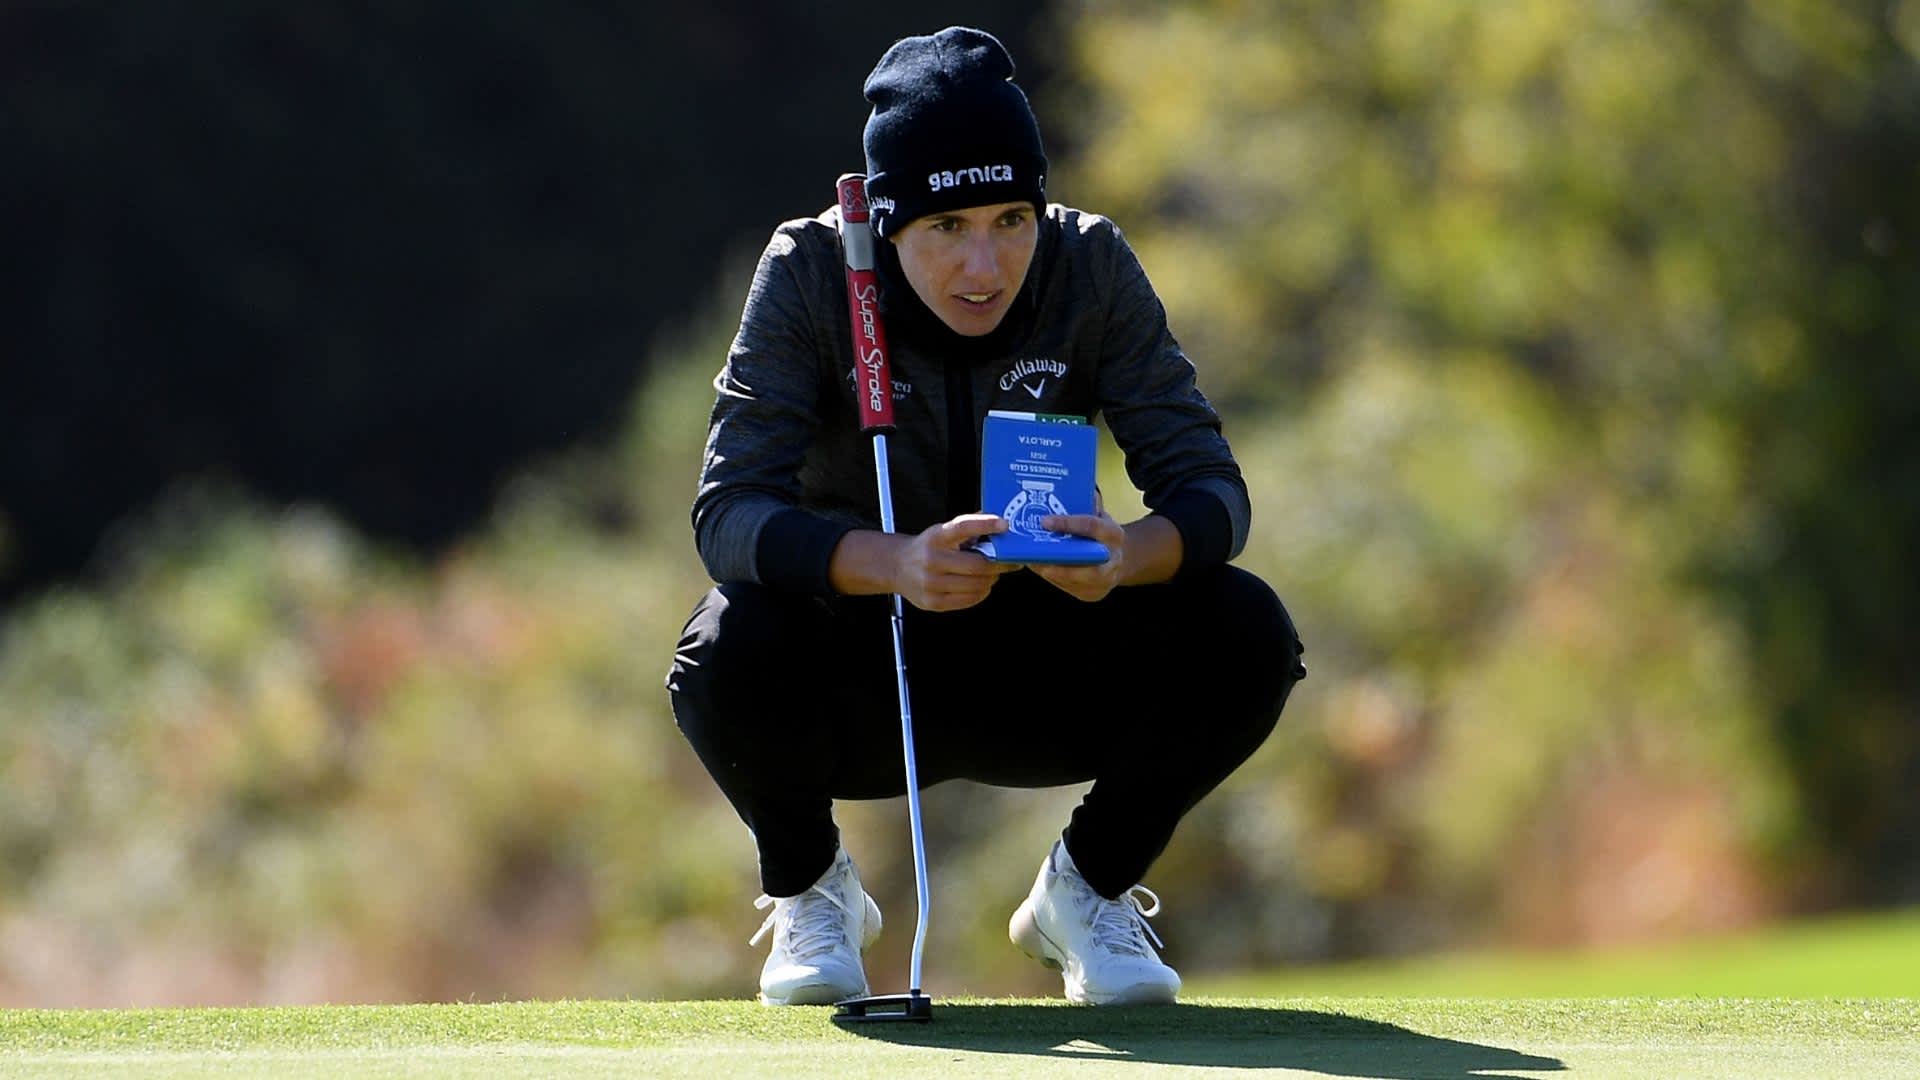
<point x="1088" y="583"/>
<point x="934" y="573"/>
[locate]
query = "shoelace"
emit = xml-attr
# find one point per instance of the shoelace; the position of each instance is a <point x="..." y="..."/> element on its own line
<point x="812" y="928"/>
<point x="1120" y="924"/>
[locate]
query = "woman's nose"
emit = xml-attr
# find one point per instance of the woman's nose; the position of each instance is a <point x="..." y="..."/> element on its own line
<point x="979" y="257"/>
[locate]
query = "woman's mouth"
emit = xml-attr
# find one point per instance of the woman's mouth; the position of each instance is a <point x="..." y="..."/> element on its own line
<point x="977" y="301"/>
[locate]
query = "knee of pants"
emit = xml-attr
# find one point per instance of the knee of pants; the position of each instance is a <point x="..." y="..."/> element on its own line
<point x="738" y="649"/>
<point x="1256" y="634"/>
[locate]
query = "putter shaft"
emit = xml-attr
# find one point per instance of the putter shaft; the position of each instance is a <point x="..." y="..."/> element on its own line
<point x="906" y="727"/>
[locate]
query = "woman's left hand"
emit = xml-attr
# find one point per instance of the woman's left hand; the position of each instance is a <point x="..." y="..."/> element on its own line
<point x="1088" y="583"/>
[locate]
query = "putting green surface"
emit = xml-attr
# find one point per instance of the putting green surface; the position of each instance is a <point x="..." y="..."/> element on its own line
<point x="1856" y="956"/>
<point x="971" y="1037"/>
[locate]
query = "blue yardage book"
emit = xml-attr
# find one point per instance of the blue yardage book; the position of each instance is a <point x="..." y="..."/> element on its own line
<point x="1032" y="465"/>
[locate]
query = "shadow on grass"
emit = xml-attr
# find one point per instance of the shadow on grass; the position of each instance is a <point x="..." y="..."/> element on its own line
<point x="1328" y="1043"/>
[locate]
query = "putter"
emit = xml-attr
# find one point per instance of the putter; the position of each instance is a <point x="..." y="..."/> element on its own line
<point x="873" y="390"/>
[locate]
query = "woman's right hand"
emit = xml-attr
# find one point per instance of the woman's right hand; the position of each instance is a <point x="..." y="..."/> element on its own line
<point x="934" y="572"/>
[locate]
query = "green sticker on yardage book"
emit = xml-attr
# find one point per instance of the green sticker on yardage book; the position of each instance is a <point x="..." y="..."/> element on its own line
<point x="1039" y="417"/>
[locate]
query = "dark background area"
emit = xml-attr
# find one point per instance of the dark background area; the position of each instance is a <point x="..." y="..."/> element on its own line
<point x="378" y="255"/>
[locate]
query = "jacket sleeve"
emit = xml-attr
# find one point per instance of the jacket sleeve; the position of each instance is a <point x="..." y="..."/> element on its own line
<point x="746" y="521"/>
<point x="1169" y="432"/>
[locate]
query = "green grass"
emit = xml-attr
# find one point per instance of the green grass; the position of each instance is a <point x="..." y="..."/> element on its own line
<point x="1822" y="1000"/>
<point x="975" y="1038"/>
<point x="1864" y="956"/>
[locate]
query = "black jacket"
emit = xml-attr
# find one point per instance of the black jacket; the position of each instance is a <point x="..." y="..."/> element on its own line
<point x="787" y="471"/>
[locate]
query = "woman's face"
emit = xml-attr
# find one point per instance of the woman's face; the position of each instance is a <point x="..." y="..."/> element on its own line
<point x="968" y="265"/>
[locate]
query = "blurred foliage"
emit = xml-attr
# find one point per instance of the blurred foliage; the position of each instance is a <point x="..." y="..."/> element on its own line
<point x="1570" y="348"/>
<point x="1568" y="351"/>
<point x="267" y="760"/>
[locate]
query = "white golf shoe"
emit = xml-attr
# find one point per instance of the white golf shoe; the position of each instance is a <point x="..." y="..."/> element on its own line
<point x="1100" y="945"/>
<point x="818" y="937"/>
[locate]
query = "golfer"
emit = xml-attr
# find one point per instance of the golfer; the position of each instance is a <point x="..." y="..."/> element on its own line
<point x="1153" y="676"/>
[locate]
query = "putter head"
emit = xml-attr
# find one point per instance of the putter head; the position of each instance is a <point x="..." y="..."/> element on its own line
<point x="912" y="1006"/>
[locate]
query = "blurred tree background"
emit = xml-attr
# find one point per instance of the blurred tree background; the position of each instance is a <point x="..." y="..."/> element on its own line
<point x="358" y="365"/>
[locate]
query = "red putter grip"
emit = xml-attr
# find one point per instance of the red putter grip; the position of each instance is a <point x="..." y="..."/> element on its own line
<point x="872" y="373"/>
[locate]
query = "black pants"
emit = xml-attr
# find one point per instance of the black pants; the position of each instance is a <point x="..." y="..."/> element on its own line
<point x="1156" y="694"/>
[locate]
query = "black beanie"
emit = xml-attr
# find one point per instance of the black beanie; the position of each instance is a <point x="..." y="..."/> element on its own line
<point x="949" y="129"/>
